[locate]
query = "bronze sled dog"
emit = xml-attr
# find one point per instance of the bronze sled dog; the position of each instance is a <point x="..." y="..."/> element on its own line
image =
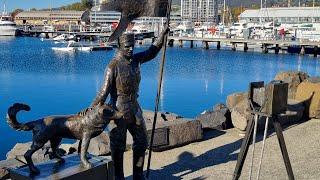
<point x="53" y="128"/>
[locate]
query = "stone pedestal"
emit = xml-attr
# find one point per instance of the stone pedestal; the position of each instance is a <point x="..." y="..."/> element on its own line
<point x="70" y="170"/>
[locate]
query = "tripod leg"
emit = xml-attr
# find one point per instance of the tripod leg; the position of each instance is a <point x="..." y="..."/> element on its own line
<point x="263" y="145"/>
<point x="283" y="148"/>
<point x="253" y="143"/>
<point x="244" y="150"/>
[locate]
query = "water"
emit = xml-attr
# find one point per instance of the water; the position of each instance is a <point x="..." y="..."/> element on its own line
<point x="64" y="83"/>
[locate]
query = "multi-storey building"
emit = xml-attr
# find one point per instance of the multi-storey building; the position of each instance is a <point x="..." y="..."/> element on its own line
<point x="199" y="10"/>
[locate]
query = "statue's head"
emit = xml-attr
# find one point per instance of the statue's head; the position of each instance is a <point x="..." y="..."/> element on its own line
<point x="126" y="44"/>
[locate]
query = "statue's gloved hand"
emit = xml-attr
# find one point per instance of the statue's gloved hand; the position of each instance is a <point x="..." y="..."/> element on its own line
<point x="160" y="39"/>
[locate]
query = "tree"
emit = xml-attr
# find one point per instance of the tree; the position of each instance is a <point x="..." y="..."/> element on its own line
<point x="87" y="4"/>
<point x="15" y="12"/>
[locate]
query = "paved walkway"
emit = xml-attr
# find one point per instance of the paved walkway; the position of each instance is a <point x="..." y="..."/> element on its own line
<point x="215" y="158"/>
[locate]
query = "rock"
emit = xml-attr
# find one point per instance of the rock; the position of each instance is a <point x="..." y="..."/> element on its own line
<point x="240" y="115"/>
<point x="176" y="133"/>
<point x="161" y="116"/>
<point x="309" y="93"/>
<point x="219" y="118"/>
<point x="313" y="80"/>
<point x="19" y="149"/>
<point x="9" y="163"/>
<point x="234" y="99"/>
<point x="99" y="146"/>
<point x="293" y="78"/>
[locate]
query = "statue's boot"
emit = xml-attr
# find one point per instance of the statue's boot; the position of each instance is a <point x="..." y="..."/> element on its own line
<point x="138" y="161"/>
<point x="117" y="158"/>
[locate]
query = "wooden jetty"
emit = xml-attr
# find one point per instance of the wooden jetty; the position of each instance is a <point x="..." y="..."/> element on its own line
<point x="275" y="45"/>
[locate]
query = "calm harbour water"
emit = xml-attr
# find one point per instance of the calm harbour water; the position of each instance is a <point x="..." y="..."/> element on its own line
<point x="64" y="83"/>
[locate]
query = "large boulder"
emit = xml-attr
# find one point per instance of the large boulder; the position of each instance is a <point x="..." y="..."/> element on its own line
<point x="240" y="115"/>
<point x="236" y="98"/>
<point x="309" y="93"/>
<point x="99" y="146"/>
<point x="171" y="134"/>
<point x="218" y="118"/>
<point x="293" y="78"/>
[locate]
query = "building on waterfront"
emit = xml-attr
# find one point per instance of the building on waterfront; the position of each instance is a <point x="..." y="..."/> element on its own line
<point x="52" y="17"/>
<point x="104" y="17"/>
<point x="283" y="15"/>
<point x="199" y="10"/>
<point x="109" y="17"/>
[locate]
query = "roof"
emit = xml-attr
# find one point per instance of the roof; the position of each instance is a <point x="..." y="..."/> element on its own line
<point x="49" y="14"/>
<point x="282" y="12"/>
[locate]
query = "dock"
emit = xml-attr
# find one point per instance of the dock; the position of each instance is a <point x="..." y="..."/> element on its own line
<point x="276" y="45"/>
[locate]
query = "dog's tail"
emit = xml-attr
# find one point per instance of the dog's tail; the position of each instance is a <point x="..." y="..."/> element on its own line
<point x="12" y="118"/>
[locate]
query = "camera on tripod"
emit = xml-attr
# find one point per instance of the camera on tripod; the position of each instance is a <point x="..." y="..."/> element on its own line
<point x="269" y="102"/>
<point x="274" y="101"/>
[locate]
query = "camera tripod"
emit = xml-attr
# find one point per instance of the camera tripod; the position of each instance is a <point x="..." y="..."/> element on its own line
<point x="251" y="132"/>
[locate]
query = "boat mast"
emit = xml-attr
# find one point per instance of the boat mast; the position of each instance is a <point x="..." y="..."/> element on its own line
<point x="224" y="12"/>
<point x="261" y="6"/>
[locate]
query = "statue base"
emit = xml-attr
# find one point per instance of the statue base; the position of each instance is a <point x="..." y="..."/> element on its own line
<point x="70" y="170"/>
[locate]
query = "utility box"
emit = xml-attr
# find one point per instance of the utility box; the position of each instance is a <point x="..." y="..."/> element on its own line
<point x="276" y="98"/>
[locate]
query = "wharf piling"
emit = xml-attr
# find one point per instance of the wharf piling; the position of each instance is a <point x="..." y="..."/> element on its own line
<point x="233" y="47"/>
<point x="191" y="44"/>
<point x="277" y="49"/>
<point x="218" y="45"/>
<point x="245" y="47"/>
<point x="180" y="43"/>
<point x="302" y="51"/>
<point x="205" y="45"/>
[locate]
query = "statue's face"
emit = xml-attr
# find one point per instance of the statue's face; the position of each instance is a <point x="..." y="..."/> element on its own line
<point x="127" y="49"/>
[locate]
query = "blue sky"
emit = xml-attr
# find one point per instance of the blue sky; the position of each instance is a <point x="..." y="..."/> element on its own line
<point x="28" y="4"/>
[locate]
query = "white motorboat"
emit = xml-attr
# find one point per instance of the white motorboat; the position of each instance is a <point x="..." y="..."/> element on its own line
<point x="7" y="26"/>
<point x="63" y="37"/>
<point x="72" y="47"/>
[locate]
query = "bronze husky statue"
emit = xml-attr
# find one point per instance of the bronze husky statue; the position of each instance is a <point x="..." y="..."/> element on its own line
<point x="82" y="126"/>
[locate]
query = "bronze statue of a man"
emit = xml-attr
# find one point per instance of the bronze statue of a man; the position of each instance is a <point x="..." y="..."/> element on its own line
<point x="122" y="81"/>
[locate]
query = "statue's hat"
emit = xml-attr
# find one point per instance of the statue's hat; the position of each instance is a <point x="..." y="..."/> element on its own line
<point x="126" y="39"/>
